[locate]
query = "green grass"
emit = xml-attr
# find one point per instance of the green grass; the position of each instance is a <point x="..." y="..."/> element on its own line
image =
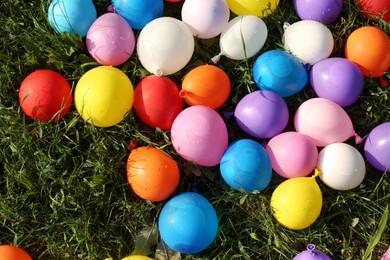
<point x="63" y="187"/>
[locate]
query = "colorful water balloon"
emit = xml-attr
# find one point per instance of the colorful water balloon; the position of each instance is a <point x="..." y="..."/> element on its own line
<point x="45" y="95"/>
<point x="188" y="223"/>
<point x="341" y="166"/>
<point x="246" y="165"/>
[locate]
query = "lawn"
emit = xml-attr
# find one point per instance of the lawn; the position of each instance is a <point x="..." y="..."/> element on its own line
<point x="63" y="187"/>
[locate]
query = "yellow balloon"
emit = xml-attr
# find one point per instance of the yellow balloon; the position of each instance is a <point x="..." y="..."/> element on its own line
<point x="137" y="257"/>
<point x="260" y="8"/>
<point x="297" y="202"/>
<point x="103" y="96"/>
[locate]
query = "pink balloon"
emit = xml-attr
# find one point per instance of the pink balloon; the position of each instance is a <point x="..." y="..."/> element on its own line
<point x="110" y="40"/>
<point x="199" y="134"/>
<point x="292" y="154"/>
<point x="324" y="122"/>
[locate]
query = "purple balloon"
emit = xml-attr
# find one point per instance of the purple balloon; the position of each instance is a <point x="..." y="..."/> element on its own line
<point x="325" y="11"/>
<point x="312" y="254"/>
<point x="377" y="147"/>
<point x="262" y="114"/>
<point x="337" y="79"/>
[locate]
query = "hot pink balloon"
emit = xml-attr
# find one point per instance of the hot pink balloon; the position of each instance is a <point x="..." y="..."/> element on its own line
<point x="292" y="154"/>
<point x="199" y="134"/>
<point x="324" y="122"/>
<point x="110" y="40"/>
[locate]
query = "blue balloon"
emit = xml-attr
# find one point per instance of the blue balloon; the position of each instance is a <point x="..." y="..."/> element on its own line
<point x="279" y="72"/>
<point x="139" y="12"/>
<point x="72" y="16"/>
<point x="246" y="165"/>
<point x="188" y="223"/>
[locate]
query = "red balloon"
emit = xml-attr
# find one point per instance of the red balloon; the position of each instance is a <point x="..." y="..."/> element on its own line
<point x="45" y="95"/>
<point x="157" y="101"/>
<point x="374" y="9"/>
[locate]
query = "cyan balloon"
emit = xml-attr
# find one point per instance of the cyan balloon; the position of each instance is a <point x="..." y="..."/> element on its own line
<point x="279" y="72"/>
<point x="246" y="165"/>
<point x="188" y="223"/>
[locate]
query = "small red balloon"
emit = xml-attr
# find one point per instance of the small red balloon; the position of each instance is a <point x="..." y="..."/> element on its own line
<point x="45" y="95"/>
<point x="375" y="9"/>
<point x="157" y="101"/>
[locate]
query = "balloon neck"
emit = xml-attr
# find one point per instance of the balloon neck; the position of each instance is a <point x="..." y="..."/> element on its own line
<point x="311" y="248"/>
<point x="182" y="93"/>
<point x="228" y="115"/>
<point x="159" y="72"/>
<point x="384" y="82"/>
<point x="285" y="25"/>
<point x="358" y="139"/>
<point x="132" y="145"/>
<point x="111" y="9"/>
<point x="216" y="58"/>
<point x="316" y="173"/>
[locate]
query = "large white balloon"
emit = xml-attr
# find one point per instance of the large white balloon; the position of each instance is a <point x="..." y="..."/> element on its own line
<point x="310" y="41"/>
<point x="165" y="46"/>
<point x="341" y="166"/>
<point x="205" y="18"/>
<point x="242" y="38"/>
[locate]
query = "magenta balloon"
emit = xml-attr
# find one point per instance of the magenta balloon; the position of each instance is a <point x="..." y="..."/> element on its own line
<point x="323" y="121"/>
<point x="377" y="147"/>
<point x="337" y="79"/>
<point x="199" y="134"/>
<point x="292" y="154"/>
<point x="262" y="114"/>
<point x="110" y="40"/>
<point x="325" y="11"/>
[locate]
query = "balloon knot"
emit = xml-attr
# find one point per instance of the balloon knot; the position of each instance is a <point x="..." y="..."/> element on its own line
<point x="228" y="115"/>
<point x="316" y="173"/>
<point x="132" y="145"/>
<point x="384" y="82"/>
<point x="307" y="66"/>
<point x="159" y="72"/>
<point x="358" y="139"/>
<point x="182" y="93"/>
<point x="285" y="25"/>
<point x="111" y="9"/>
<point x="311" y="247"/>
<point x="216" y="58"/>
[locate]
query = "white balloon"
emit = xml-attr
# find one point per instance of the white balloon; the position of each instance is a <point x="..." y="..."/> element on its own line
<point x="165" y="45"/>
<point x="205" y="18"/>
<point x="310" y="41"/>
<point x="242" y="38"/>
<point x="341" y="166"/>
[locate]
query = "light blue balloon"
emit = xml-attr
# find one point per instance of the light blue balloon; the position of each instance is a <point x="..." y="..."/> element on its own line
<point x="280" y="72"/>
<point x="72" y="16"/>
<point x="188" y="223"/>
<point x="246" y="165"/>
<point x="138" y="13"/>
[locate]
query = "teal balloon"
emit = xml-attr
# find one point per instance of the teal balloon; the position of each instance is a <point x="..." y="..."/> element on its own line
<point x="280" y="72"/>
<point x="188" y="223"/>
<point x="138" y="13"/>
<point x="72" y="16"/>
<point x="246" y="165"/>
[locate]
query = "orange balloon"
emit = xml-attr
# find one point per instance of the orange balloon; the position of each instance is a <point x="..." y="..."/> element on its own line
<point x="8" y="252"/>
<point x="369" y="48"/>
<point x="206" y="85"/>
<point x="152" y="174"/>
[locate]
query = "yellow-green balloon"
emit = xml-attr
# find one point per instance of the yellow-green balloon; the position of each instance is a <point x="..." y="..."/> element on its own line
<point x="137" y="257"/>
<point x="260" y="8"/>
<point x="297" y="202"/>
<point x="104" y="96"/>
